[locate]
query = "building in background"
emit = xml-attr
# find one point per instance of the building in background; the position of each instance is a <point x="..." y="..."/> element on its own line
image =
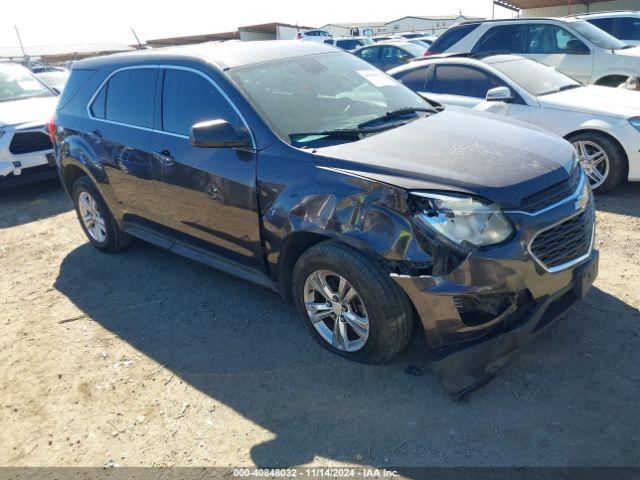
<point x="435" y="25"/>
<point x="560" y="8"/>
<point x="193" y="39"/>
<point x="350" y="29"/>
<point x="271" y="31"/>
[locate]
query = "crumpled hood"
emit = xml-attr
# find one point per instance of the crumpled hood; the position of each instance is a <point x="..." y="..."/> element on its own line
<point x="458" y="150"/>
<point x="38" y="109"/>
<point x="597" y="100"/>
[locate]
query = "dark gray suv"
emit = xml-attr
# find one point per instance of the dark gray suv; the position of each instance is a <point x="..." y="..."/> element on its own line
<point x="307" y="171"/>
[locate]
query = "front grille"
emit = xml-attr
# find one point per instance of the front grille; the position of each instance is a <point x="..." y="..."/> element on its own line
<point x="28" y="142"/>
<point x="553" y="194"/>
<point x="566" y="241"/>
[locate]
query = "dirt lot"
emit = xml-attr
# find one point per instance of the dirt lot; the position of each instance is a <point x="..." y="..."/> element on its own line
<point x="146" y="358"/>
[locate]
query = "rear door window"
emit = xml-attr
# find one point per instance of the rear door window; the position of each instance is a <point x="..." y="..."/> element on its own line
<point x="502" y="38"/>
<point x="414" y="79"/>
<point x="463" y="81"/>
<point x="128" y="97"/>
<point x="189" y="98"/>
<point x="369" y="54"/>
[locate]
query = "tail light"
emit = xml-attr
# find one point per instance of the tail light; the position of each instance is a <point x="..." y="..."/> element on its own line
<point x="428" y="53"/>
<point x="51" y="128"/>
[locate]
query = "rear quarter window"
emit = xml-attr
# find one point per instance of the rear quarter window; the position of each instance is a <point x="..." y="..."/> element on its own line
<point x="452" y="36"/>
<point x="76" y="81"/>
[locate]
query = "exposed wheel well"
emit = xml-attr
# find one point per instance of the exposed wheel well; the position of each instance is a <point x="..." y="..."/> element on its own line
<point x="612" y="80"/>
<point x="295" y="245"/>
<point x="604" y="134"/>
<point x="70" y="174"/>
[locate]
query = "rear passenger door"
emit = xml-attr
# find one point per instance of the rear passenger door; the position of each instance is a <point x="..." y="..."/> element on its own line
<point x="208" y="195"/>
<point x="120" y="121"/>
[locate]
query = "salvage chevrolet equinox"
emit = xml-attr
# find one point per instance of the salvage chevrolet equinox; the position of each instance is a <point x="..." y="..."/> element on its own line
<point x="305" y="170"/>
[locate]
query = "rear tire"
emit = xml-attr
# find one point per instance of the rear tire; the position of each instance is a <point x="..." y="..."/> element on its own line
<point x="96" y="219"/>
<point x="602" y="159"/>
<point x="376" y="317"/>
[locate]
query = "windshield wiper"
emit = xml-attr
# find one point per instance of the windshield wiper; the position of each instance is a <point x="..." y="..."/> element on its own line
<point x="355" y="132"/>
<point x="400" y="112"/>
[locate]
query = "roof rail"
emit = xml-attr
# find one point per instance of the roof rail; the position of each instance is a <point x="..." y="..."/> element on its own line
<point x="604" y="12"/>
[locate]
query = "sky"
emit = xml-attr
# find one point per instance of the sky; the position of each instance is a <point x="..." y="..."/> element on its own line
<point x="94" y="21"/>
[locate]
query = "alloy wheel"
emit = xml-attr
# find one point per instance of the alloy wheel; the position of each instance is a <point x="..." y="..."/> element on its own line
<point x="91" y="217"/>
<point x="594" y="161"/>
<point x="336" y="310"/>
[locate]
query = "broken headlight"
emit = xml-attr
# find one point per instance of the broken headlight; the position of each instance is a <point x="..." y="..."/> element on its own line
<point x="462" y="219"/>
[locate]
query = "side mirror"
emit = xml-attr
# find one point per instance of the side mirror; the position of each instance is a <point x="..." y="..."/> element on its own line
<point x="500" y="94"/>
<point x="632" y="83"/>
<point x="576" y="47"/>
<point x="218" y="134"/>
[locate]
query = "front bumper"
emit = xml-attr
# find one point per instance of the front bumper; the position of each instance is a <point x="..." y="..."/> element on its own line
<point x="479" y="315"/>
<point x="27" y="160"/>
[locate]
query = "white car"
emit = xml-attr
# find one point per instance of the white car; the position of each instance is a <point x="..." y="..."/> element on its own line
<point x="349" y="43"/>
<point x="26" y="105"/>
<point x="313" y="35"/>
<point x="623" y="25"/>
<point x="602" y="123"/>
<point x="573" y="46"/>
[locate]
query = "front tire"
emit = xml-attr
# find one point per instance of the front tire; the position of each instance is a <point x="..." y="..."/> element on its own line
<point x="350" y="305"/>
<point x="602" y="159"/>
<point x="95" y="218"/>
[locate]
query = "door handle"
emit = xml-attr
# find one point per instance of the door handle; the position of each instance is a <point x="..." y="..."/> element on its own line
<point x="96" y="136"/>
<point x="165" y="158"/>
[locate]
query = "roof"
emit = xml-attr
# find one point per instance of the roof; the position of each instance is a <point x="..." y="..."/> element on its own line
<point x="56" y="50"/>
<point x="224" y="56"/>
<point x="526" y="4"/>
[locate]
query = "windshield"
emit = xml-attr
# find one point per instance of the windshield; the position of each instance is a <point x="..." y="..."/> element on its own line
<point x="599" y="37"/>
<point x="17" y="83"/>
<point x="534" y="77"/>
<point x="319" y="93"/>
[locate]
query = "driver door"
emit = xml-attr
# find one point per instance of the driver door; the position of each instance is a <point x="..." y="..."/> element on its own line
<point x="208" y="195"/>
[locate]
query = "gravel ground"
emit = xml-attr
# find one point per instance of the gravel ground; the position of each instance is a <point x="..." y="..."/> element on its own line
<point x="146" y="358"/>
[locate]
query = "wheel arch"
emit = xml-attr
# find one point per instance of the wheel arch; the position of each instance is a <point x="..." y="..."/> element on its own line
<point x="625" y="173"/>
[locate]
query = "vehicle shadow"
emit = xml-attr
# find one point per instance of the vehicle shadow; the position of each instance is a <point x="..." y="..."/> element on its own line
<point x="623" y="200"/>
<point x="27" y="203"/>
<point x="569" y="399"/>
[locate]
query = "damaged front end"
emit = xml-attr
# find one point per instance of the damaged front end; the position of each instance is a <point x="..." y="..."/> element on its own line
<point x="478" y="315"/>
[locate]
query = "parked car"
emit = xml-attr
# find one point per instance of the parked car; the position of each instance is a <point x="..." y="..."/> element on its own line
<point x="412" y="35"/>
<point x="625" y="26"/>
<point x="349" y="43"/>
<point x="390" y="54"/>
<point x="574" y="47"/>
<point x="425" y="42"/>
<point x="603" y="124"/>
<point x="313" y="35"/>
<point x="26" y="104"/>
<point x="55" y="79"/>
<point x="385" y="38"/>
<point x="375" y="215"/>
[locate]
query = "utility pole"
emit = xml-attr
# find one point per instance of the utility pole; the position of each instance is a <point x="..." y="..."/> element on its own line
<point x="24" y="54"/>
<point x="493" y="9"/>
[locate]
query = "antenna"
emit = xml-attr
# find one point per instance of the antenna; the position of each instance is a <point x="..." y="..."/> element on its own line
<point x="24" y="54"/>
<point x="137" y="39"/>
